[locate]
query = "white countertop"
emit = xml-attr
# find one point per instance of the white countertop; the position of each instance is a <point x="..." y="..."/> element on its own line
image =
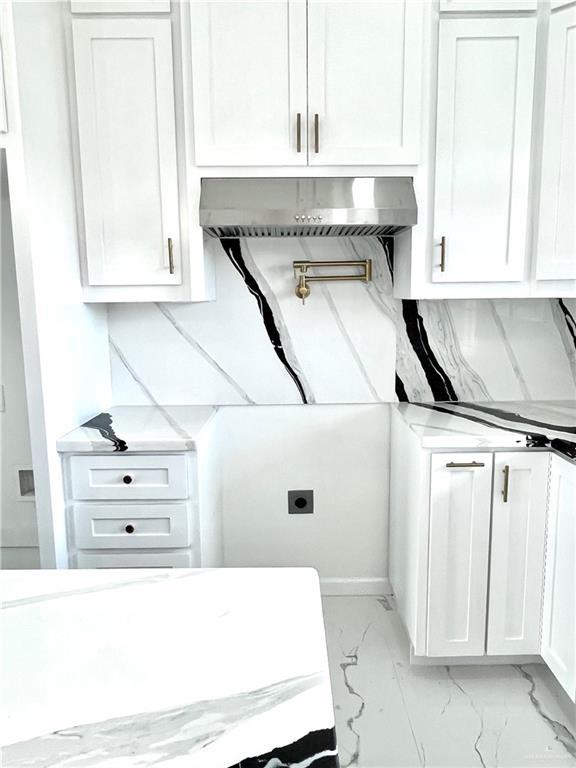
<point x="140" y="428"/>
<point x="180" y="668"/>
<point x="512" y="424"/>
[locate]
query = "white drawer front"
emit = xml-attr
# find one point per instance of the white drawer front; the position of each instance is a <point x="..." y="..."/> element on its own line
<point x="131" y="526"/>
<point x="129" y="477"/>
<point x="137" y="560"/>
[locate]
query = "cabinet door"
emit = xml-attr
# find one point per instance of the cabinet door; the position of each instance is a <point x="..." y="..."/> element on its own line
<point x="249" y="81"/>
<point x="556" y="253"/>
<point x="483" y="138"/>
<point x="559" y="614"/>
<point x="517" y="552"/>
<point x="126" y="125"/>
<point x="458" y="556"/>
<point x="364" y="77"/>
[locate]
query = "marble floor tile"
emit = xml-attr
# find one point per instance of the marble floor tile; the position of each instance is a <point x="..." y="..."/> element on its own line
<point x="390" y="714"/>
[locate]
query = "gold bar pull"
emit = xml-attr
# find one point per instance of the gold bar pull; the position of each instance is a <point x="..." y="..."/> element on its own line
<point x="316" y="133"/>
<point x="442" y="254"/>
<point x="471" y="464"/>
<point x="506" y="471"/>
<point x="299" y="132"/>
<point x="170" y="256"/>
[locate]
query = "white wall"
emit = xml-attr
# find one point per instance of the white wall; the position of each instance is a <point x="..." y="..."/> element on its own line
<point x="18" y="529"/>
<point x="341" y="452"/>
<point x="65" y="341"/>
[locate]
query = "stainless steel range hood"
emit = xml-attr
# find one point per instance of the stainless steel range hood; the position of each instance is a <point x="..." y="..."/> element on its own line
<point x="307" y="207"/>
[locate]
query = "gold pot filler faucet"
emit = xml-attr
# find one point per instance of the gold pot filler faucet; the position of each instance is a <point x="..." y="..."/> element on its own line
<point x="301" y="273"/>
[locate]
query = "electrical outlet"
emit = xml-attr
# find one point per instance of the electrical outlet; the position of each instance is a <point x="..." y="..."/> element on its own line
<point x="26" y="483"/>
<point x="300" y="502"/>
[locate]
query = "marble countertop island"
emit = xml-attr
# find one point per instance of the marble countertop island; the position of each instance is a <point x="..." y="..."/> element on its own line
<point x="547" y="425"/>
<point x="182" y="668"/>
<point x="139" y="428"/>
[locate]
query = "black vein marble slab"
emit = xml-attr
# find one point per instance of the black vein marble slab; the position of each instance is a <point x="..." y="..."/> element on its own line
<point x="140" y="428"/>
<point x="218" y="668"/>
<point x="515" y="424"/>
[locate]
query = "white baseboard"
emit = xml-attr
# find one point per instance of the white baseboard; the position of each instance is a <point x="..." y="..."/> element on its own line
<point x="478" y="661"/>
<point x="334" y="585"/>
<point x="18" y="558"/>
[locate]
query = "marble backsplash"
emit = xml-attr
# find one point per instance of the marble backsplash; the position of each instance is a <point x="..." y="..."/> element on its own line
<point x="350" y="343"/>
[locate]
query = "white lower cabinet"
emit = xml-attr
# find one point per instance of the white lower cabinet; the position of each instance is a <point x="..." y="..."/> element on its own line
<point x="482" y="553"/>
<point x="486" y="553"/>
<point x="517" y="553"/>
<point x="559" y="615"/>
<point x="133" y="510"/>
<point x="458" y="561"/>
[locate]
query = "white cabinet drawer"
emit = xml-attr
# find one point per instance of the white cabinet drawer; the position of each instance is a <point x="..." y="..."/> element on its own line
<point x="131" y="526"/>
<point x="129" y="477"/>
<point x="137" y="560"/>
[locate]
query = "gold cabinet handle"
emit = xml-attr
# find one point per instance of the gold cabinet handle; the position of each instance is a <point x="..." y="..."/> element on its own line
<point x="316" y="133"/>
<point x="471" y="464"/>
<point x="299" y="132"/>
<point x="506" y="471"/>
<point x="170" y="256"/>
<point x="442" y="254"/>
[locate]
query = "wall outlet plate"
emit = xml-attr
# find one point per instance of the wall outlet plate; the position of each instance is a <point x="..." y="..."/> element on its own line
<point x="300" y="502"/>
<point x="26" y="483"/>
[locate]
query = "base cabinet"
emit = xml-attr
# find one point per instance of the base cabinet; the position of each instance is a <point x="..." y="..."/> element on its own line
<point x="486" y="557"/>
<point x="517" y="553"/>
<point x="482" y="553"/>
<point x="459" y="547"/>
<point x="134" y="510"/>
<point x="559" y="614"/>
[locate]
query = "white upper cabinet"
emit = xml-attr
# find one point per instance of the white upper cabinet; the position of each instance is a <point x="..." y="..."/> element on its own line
<point x="296" y="83"/>
<point x="460" y="492"/>
<point x="556" y="249"/>
<point x="559" y="615"/>
<point x="517" y="552"/>
<point x="484" y="122"/>
<point x="126" y="126"/>
<point x="364" y="80"/>
<point x="249" y="82"/>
